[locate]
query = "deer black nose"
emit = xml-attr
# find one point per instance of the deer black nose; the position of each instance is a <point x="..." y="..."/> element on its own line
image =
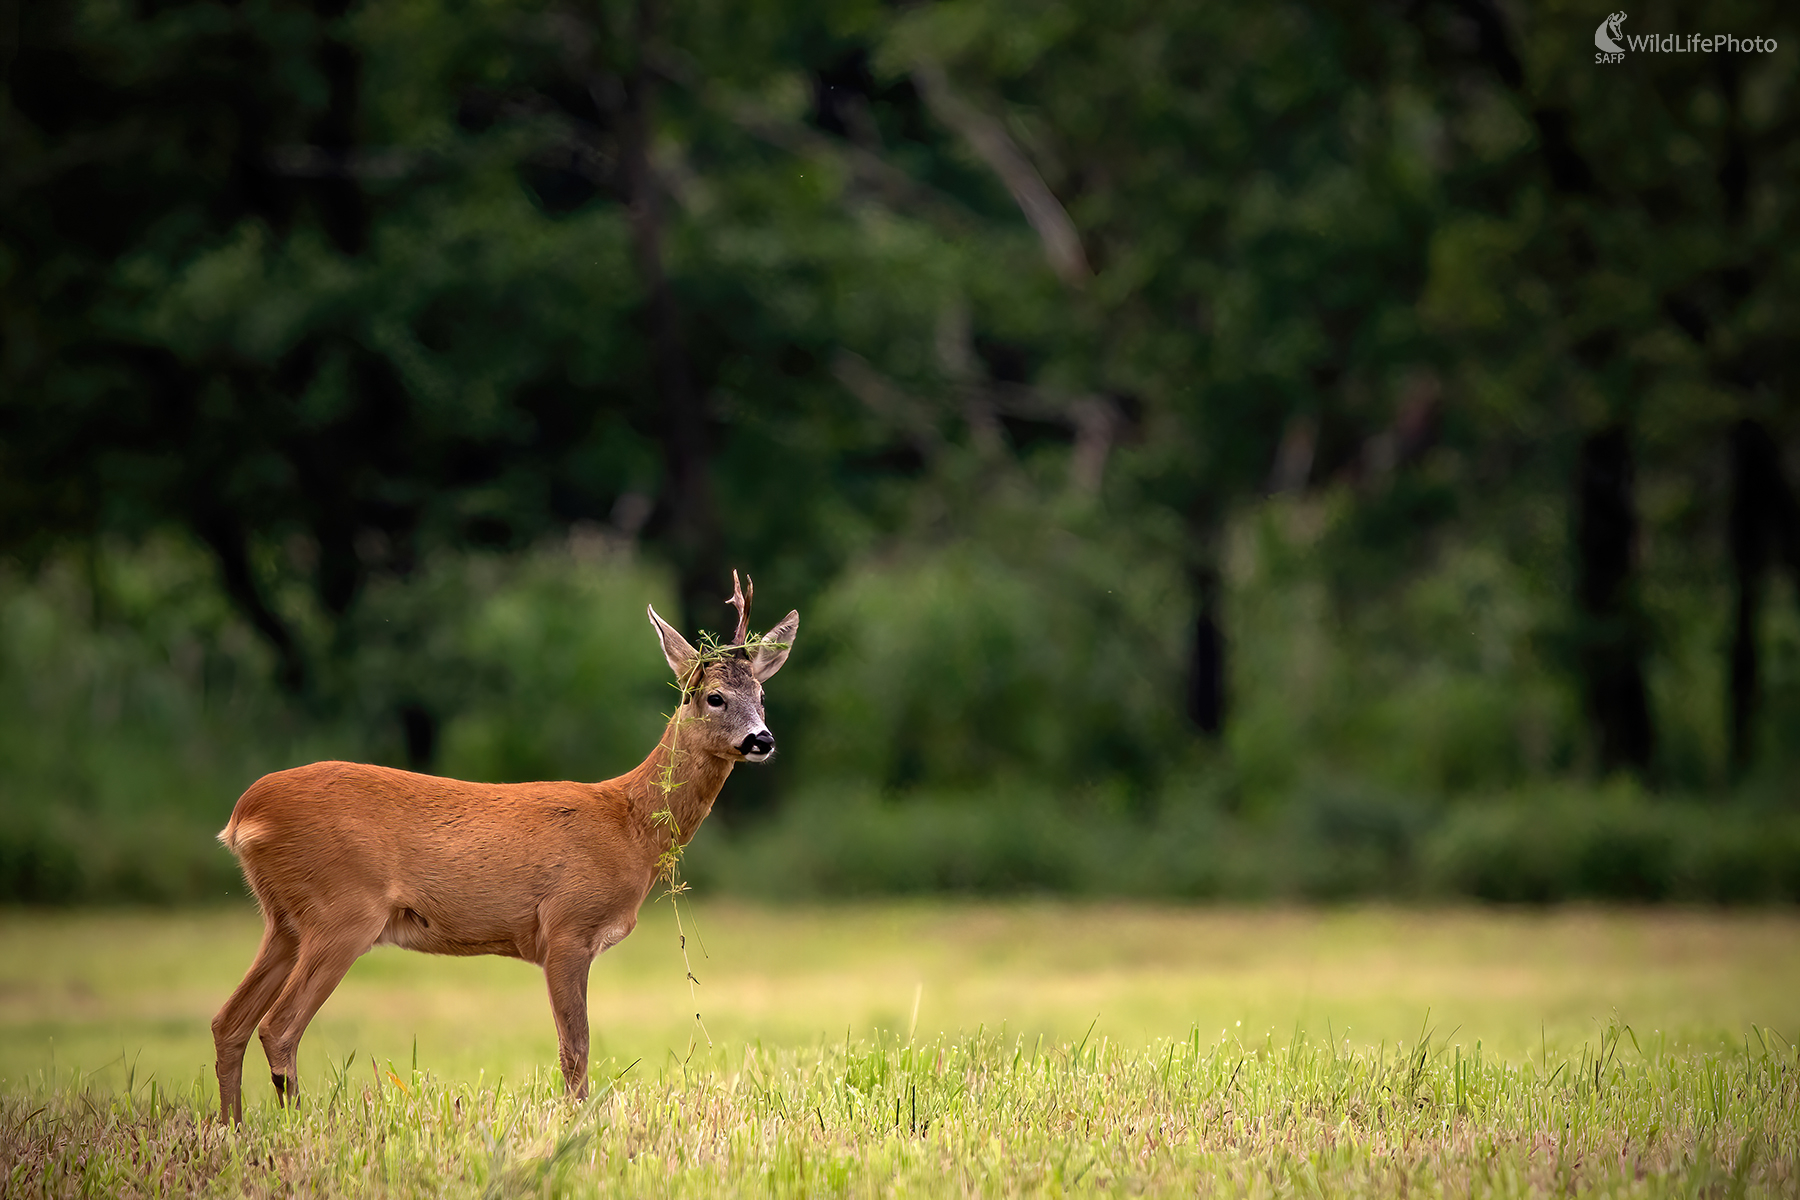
<point x="759" y="744"/>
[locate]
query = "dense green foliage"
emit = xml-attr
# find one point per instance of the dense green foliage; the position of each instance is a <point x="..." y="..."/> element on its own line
<point x="905" y="773"/>
<point x="1278" y="448"/>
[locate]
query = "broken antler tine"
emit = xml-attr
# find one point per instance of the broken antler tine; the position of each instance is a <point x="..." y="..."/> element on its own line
<point x="740" y="600"/>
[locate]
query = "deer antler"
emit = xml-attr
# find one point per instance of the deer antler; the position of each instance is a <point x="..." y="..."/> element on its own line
<point x="740" y="600"/>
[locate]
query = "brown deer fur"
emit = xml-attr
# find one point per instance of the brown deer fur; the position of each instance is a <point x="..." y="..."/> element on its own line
<point x="345" y="856"/>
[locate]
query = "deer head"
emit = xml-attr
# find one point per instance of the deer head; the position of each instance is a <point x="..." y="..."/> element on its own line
<point x="721" y="690"/>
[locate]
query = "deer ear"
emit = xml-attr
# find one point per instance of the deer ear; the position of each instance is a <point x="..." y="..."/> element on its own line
<point x="767" y="656"/>
<point x="675" y="648"/>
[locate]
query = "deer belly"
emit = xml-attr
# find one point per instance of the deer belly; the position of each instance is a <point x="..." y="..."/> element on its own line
<point x="411" y="929"/>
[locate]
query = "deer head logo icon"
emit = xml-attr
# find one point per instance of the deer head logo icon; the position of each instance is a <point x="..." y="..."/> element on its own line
<point x="1607" y="36"/>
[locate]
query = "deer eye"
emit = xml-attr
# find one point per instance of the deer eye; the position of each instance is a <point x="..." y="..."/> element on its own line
<point x="714" y="700"/>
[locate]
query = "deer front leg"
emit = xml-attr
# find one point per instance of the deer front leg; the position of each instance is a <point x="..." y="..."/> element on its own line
<point x="566" y="972"/>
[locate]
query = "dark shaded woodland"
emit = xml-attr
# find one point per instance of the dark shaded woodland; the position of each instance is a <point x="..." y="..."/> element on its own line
<point x="1226" y="449"/>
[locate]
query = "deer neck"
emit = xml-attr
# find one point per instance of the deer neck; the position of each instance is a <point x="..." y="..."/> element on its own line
<point x="680" y="780"/>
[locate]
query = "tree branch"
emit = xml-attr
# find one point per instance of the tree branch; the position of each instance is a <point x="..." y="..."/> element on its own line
<point x="868" y="170"/>
<point x="990" y="141"/>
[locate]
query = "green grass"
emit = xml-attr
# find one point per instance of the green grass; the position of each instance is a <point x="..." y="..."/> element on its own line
<point x="1056" y="1048"/>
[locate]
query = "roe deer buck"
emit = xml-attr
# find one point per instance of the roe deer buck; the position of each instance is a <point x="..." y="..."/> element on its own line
<point x="343" y="857"/>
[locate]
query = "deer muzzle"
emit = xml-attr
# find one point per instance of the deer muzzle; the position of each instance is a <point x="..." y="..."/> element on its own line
<point x="758" y="746"/>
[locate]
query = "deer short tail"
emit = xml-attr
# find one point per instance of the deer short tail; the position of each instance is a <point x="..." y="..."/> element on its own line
<point x="238" y="834"/>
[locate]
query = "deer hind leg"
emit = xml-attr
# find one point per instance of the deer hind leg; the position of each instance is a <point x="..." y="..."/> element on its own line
<point x="233" y="1025"/>
<point x="324" y="958"/>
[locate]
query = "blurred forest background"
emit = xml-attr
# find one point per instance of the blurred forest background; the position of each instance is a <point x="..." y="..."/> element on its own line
<point x="1234" y="449"/>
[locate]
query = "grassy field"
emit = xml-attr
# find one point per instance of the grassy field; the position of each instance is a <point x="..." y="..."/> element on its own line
<point x="943" y="1049"/>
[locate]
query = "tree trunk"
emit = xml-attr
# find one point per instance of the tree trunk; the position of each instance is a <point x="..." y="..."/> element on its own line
<point x="1611" y="640"/>
<point x="343" y="212"/>
<point x="230" y="544"/>
<point x="419" y="726"/>
<point x="692" y="519"/>
<point x="1763" y="519"/>
<point x="1206" y="661"/>
<point x="1205" y="684"/>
